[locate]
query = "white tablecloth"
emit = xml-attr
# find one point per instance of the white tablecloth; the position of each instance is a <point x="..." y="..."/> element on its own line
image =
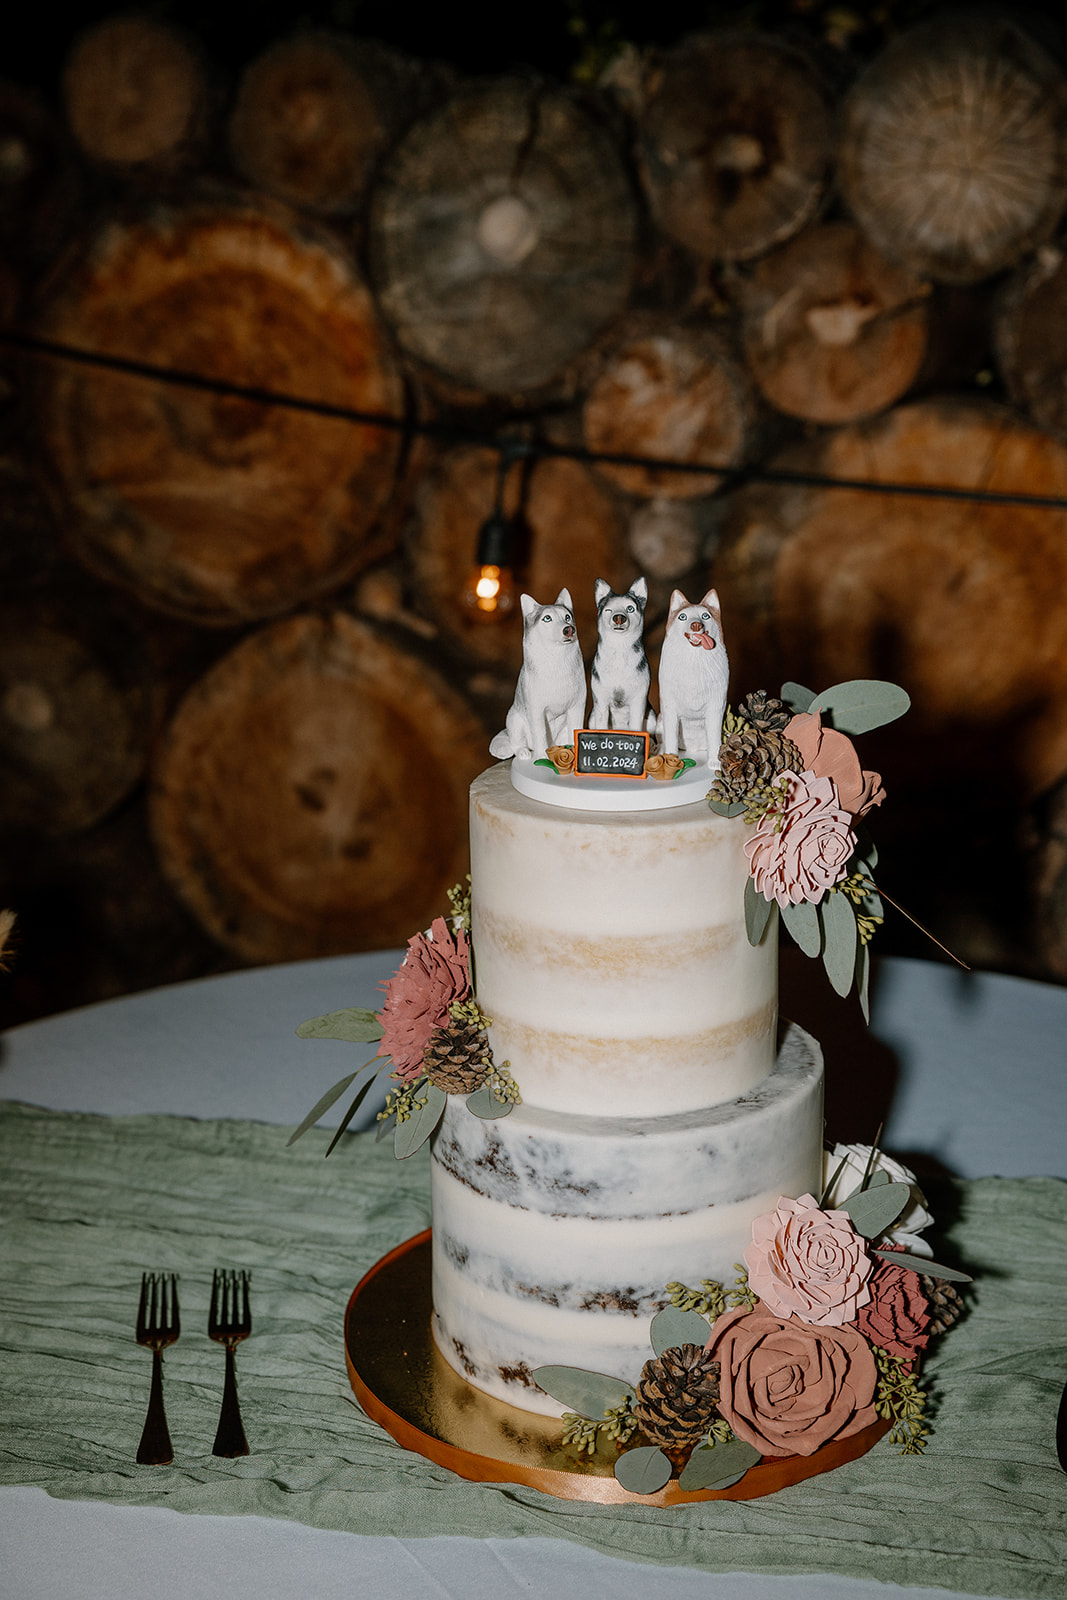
<point x="977" y="1069"/>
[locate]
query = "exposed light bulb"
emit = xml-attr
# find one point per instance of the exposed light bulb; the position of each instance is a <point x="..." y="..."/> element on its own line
<point x="489" y="591"/>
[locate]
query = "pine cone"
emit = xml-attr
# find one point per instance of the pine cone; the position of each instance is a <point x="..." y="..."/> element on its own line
<point x="458" y="1058"/>
<point x="677" y="1396"/>
<point x="762" y="710"/>
<point x="749" y="759"/>
<point x="946" y="1303"/>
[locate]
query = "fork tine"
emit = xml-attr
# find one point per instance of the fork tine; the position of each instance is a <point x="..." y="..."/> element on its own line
<point x="246" y="1311"/>
<point x="213" y="1314"/>
<point x="172" y="1323"/>
<point x="142" y="1310"/>
<point x="153" y="1322"/>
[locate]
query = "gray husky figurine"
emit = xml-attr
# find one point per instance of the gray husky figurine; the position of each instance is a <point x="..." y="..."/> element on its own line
<point x="550" y="694"/>
<point x="620" y="667"/>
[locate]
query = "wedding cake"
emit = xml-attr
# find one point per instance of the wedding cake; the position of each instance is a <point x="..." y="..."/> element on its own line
<point x="659" y="1116"/>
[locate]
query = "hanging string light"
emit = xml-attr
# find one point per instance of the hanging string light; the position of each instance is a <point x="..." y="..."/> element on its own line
<point x="489" y="590"/>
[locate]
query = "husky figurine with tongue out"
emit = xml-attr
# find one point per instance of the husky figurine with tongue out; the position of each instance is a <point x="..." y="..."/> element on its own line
<point x="693" y="678"/>
<point x="550" y="694"/>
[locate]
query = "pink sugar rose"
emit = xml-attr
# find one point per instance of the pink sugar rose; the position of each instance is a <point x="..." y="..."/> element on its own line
<point x="798" y="854"/>
<point x="808" y="1263"/>
<point x="830" y="754"/>
<point x="435" y="972"/>
<point x="786" y="1387"/>
<point x="898" y="1314"/>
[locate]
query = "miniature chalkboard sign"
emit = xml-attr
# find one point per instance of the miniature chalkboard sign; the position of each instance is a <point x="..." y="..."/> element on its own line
<point x="609" y="753"/>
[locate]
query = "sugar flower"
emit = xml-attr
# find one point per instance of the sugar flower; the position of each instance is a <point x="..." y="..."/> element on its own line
<point x="786" y="1387"/>
<point x="898" y="1314"/>
<point x="830" y="754"/>
<point x="808" y="1263"/>
<point x="799" y="853"/>
<point x="435" y="973"/>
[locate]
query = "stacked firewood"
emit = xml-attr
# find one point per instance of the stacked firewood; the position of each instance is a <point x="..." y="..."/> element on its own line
<point x="235" y="651"/>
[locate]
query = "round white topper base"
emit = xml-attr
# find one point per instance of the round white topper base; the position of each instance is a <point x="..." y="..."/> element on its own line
<point x="609" y="794"/>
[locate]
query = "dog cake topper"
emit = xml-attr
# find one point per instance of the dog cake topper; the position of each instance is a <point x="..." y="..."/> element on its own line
<point x="620" y="676"/>
<point x="693" y="676"/>
<point x="550" y="695"/>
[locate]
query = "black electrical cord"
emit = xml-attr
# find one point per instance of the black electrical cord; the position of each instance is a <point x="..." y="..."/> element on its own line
<point x="509" y="448"/>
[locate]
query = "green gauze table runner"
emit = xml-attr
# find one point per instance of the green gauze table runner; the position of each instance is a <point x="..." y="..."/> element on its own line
<point x="89" y="1202"/>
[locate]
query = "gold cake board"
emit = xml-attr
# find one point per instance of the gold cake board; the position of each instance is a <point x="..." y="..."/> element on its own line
<point x="404" y="1383"/>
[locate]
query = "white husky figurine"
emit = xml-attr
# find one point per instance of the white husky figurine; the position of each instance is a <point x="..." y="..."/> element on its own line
<point x="550" y="694"/>
<point x="693" y="676"/>
<point x="620" y="667"/>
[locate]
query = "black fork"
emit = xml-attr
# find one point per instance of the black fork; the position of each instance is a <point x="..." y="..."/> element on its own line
<point x="158" y="1325"/>
<point x="229" y="1321"/>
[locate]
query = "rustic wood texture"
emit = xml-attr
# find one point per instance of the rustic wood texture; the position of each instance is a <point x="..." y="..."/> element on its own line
<point x="502" y="235"/>
<point x="665" y="537"/>
<point x="571" y="533"/>
<point x="137" y="95"/>
<point x="1030" y="337"/>
<point x="39" y="188"/>
<point x="960" y="602"/>
<point x="954" y="147"/>
<point x="310" y="796"/>
<point x="671" y="390"/>
<point x="832" y="330"/>
<point x="736" y="142"/>
<point x="73" y="719"/>
<point x="213" y="508"/>
<point x="314" y="115"/>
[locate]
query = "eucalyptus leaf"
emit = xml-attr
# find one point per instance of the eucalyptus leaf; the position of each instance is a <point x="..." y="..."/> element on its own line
<point x="322" y="1106"/>
<point x="413" y="1134"/>
<point x="861" y="704"/>
<point x="718" y="1466"/>
<point x="725" y="808"/>
<point x="354" y="1023"/>
<point x="350" y="1113"/>
<point x="644" y="1470"/>
<point x="863" y="980"/>
<point x="840" y="939"/>
<point x="932" y="1269"/>
<point x="588" y="1393"/>
<point x="484" y="1103"/>
<point x="796" y="697"/>
<point x="757" y="912"/>
<point x="671" y="1327"/>
<point x="802" y="921"/>
<point x="878" y="1177"/>
<point x="872" y="1210"/>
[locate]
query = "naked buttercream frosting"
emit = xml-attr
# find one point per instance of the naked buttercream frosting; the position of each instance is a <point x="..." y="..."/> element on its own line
<point x="661" y="1110"/>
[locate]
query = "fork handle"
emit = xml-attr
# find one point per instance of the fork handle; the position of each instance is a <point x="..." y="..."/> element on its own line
<point x="230" y="1439"/>
<point x="155" y="1448"/>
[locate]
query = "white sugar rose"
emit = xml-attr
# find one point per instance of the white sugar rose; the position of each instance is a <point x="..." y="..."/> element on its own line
<point x="914" y="1217"/>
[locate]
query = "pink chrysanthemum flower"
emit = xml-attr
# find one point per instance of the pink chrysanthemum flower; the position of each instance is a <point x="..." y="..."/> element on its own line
<point x="435" y="973"/>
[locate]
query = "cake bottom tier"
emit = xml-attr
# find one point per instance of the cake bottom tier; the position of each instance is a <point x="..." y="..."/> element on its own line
<point x="554" y="1236"/>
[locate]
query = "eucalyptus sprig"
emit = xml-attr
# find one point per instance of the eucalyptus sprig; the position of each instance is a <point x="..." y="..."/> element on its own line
<point x="459" y="903"/>
<point x="403" y="1103"/>
<point x="898" y="1399"/>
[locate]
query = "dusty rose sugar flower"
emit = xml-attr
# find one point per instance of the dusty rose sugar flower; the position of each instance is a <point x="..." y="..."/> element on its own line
<point x="799" y="853"/>
<point x="786" y="1387"/>
<point x="808" y="1263"/>
<point x="830" y="754"/>
<point x="435" y="973"/>
<point x="898" y="1314"/>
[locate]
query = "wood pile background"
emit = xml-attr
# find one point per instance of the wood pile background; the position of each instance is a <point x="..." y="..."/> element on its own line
<point x="240" y="697"/>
